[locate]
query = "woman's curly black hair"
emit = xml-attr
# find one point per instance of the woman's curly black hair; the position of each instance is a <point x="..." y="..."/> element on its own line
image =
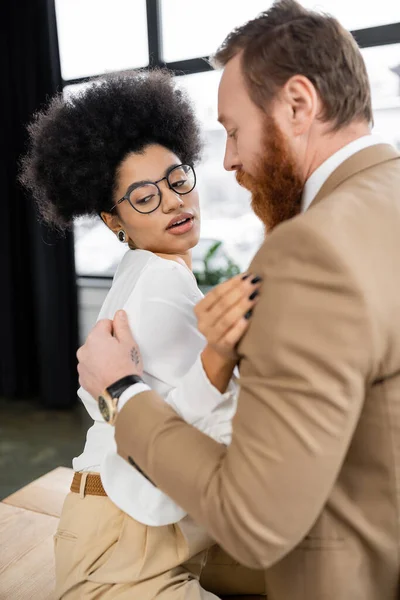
<point x="77" y="145"/>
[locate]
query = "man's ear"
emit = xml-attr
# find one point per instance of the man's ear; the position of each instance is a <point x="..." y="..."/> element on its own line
<point x="302" y="100"/>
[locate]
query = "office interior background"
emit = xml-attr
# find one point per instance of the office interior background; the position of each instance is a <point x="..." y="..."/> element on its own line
<point x="53" y="287"/>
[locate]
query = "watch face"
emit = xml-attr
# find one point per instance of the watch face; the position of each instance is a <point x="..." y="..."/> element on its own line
<point x="104" y="408"/>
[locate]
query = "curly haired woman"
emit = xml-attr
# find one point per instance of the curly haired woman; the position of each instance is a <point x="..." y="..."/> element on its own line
<point x="125" y="149"/>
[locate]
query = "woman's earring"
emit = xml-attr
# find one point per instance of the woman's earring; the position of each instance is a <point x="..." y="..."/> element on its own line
<point x="121" y="235"/>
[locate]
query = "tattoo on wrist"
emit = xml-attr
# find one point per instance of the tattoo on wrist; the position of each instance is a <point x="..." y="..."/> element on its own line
<point x="135" y="356"/>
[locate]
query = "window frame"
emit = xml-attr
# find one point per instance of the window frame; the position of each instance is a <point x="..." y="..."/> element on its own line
<point x="381" y="35"/>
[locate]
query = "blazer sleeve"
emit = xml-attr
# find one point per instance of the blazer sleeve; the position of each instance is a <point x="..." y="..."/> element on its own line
<point x="306" y="360"/>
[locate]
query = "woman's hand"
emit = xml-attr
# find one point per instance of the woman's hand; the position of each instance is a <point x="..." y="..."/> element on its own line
<point x="224" y="313"/>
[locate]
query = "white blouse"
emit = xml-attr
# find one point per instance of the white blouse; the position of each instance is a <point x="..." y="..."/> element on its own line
<point x="159" y="296"/>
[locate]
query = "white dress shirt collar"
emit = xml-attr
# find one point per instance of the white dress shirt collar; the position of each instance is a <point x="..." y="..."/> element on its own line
<point x="315" y="182"/>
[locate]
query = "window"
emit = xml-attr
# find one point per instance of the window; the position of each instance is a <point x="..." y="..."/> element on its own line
<point x="200" y="30"/>
<point x="97" y="250"/>
<point x="225" y="206"/>
<point x="99" y="36"/>
<point x="383" y="66"/>
<point x="357" y="14"/>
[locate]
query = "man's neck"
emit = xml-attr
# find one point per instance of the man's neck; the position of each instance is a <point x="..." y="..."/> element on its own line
<point x="331" y="142"/>
<point x="325" y="169"/>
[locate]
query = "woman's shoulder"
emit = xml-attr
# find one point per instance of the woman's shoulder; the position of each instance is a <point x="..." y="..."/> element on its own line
<point x="167" y="277"/>
<point x="133" y="260"/>
<point x="145" y="259"/>
<point x="143" y="274"/>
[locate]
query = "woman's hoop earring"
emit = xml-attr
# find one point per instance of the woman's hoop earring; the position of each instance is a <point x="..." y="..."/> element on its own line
<point x="121" y="235"/>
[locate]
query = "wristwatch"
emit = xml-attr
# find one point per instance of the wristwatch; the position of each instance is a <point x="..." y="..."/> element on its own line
<point x="108" y="400"/>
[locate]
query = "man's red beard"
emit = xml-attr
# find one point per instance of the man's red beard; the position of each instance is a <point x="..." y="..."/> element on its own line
<point x="277" y="187"/>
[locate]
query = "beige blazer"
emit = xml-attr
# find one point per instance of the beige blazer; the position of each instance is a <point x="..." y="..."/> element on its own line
<point x="310" y="487"/>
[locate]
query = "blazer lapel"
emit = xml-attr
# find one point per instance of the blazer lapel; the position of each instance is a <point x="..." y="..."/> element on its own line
<point x="360" y="161"/>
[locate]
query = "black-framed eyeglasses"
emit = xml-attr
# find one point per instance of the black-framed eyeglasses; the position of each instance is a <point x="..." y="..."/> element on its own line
<point x="145" y="196"/>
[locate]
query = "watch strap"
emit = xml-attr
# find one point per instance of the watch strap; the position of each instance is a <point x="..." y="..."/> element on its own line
<point x="116" y="389"/>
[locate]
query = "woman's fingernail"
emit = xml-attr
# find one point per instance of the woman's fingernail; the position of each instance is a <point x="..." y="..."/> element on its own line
<point x="254" y="295"/>
<point x="121" y="315"/>
<point x="246" y="276"/>
<point x="248" y="314"/>
<point x="256" y="280"/>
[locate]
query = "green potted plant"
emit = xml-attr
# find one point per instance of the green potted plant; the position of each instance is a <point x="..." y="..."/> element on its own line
<point x="214" y="273"/>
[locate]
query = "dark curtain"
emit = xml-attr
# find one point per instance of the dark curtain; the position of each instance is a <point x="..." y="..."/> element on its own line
<point x="37" y="281"/>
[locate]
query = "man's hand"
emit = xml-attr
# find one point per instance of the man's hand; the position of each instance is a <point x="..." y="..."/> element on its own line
<point x="109" y="353"/>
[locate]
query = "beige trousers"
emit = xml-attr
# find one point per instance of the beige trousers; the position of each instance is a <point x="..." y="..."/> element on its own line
<point x="102" y="553"/>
